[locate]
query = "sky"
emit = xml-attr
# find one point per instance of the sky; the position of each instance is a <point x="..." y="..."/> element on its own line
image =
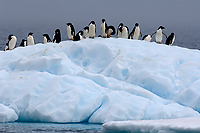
<point x="23" y="16"/>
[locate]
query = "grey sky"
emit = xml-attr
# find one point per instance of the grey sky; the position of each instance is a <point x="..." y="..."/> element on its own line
<point x="48" y="15"/>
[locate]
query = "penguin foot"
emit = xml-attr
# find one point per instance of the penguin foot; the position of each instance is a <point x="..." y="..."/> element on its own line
<point x="71" y="39"/>
<point x="159" y="42"/>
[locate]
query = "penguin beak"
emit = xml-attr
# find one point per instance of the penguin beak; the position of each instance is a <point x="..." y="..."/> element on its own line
<point x="6" y="39"/>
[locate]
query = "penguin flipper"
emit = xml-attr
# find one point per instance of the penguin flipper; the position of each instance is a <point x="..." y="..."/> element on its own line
<point x="153" y="34"/>
<point x="164" y="34"/>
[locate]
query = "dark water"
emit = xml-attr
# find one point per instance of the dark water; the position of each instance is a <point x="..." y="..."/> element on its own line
<point x="18" y="127"/>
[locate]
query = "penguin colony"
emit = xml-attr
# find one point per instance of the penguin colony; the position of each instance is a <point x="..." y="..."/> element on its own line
<point x="90" y="32"/>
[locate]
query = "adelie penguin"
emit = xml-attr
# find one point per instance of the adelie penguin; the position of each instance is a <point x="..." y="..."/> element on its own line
<point x="86" y="32"/>
<point x="110" y="30"/>
<point x="70" y="31"/>
<point x="119" y="30"/>
<point x="147" y="38"/>
<point x="135" y="32"/>
<point x="79" y="36"/>
<point x="103" y="28"/>
<point x="46" y="38"/>
<point x="159" y="34"/>
<point x="57" y="36"/>
<point x="170" y="39"/>
<point x="92" y="29"/>
<point x="30" y="39"/>
<point x="12" y="42"/>
<point x="23" y="43"/>
<point x="125" y="32"/>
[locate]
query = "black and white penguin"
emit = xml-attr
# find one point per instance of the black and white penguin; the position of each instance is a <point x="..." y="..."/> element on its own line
<point x="119" y="30"/>
<point x="135" y="32"/>
<point x="57" y="36"/>
<point x="103" y="28"/>
<point x="86" y="32"/>
<point x="46" y="38"/>
<point x="147" y="38"/>
<point x="92" y="29"/>
<point x="23" y="43"/>
<point x="125" y="32"/>
<point x="110" y="30"/>
<point x="79" y="36"/>
<point x="30" y="39"/>
<point x="170" y="39"/>
<point x="159" y="34"/>
<point x="12" y="42"/>
<point x="70" y="31"/>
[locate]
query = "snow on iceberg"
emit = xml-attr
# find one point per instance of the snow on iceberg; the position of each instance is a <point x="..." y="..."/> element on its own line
<point x="186" y="125"/>
<point x="100" y="80"/>
<point x="7" y="114"/>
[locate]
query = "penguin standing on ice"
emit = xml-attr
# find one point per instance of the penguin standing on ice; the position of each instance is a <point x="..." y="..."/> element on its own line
<point x="103" y="28"/>
<point x="125" y="32"/>
<point x="12" y="42"/>
<point x="86" y="32"/>
<point x="30" y="39"/>
<point x="46" y="38"/>
<point x="170" y="39"/>
<point x="57" y="36"/>
<point x="159" y="34"/>
<point x="70" y="31"/>
<point x="92" y="29"/>
<point x="110" y="30"/>
<point x="79" y="36"/>
<point x="135" y="32"/>
<point x="147" y="38"/>
<point x="23" y="43"/>
<point x="119" y="30"/>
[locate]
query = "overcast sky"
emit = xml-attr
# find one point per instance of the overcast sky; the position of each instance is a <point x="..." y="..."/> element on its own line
<point x="52" y="14"/>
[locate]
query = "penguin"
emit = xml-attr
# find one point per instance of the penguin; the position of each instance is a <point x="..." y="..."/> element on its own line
<point x="57" y="36"/>
<point x="86" y="32"/>
<point x="110" y="30"/>
<point x="147" y="38"/>
<point x="30" y="39"/>
<point x="23" y="43"/>
<point x="159" y="34"/>
<point x="119" y="30"/>
<point x="79" y="36"/>
<point x="135" y="32"/>
<point x="12" y="42"/>
<point x="170" y="39"/>
<point x="125" y="32"/>
<point x="46" y="38"/>
<point x="92" y="29"/>
<point x="103" y="28"/>
<point x="70" y="31"/>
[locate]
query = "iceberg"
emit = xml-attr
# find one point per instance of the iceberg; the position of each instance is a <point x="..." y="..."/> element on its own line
<point x="99" y="80"/>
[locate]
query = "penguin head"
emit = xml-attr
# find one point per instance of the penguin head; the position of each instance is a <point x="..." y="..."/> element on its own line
<point x="103" y="20"/>
<point x="69" y="24"/>
<point x="136" y="24"/>
<point x="9" y="37"/>
<point x="45" y="35"/>
<point x="86" y="28"/>
<point x="30" y="33"/>
<point x="172" y="34"/>
<point x="80" y="33"/>
<point x="161" y="27"/>
<point x="57" y="31"/>
<point x="92" y="22"/>
<point x="120" y="25"/>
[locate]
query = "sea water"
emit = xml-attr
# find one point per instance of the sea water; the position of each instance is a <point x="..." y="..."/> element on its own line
<point x="22" y="127"/>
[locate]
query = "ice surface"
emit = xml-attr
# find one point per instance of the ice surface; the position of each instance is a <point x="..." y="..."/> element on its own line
<point x="186" y="125"/>
<point x="99" y="80"/>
